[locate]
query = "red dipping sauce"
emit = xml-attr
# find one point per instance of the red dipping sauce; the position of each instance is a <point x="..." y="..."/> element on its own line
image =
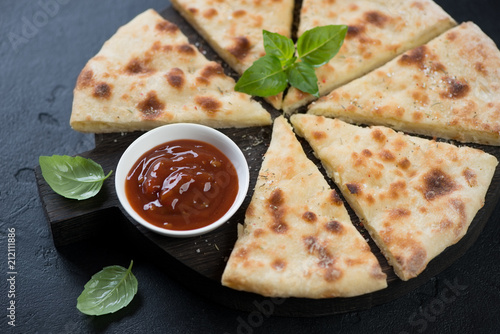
<point x="182" y="185"/>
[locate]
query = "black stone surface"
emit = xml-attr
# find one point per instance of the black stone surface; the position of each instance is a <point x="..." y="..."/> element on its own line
<point x="43" y="47"/>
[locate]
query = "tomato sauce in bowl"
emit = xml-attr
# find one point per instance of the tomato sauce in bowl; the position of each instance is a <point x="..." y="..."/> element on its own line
<point x="182" y="185"/>
<point x="182" y="180"/>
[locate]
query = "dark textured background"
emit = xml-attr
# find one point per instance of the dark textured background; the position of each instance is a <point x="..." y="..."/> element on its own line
<point x="39" y="65"/>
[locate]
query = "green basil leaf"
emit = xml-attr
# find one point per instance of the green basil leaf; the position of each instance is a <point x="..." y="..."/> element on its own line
<point x="265" y="77"/>
<point x="318" y="45"/>
<point x="303" y="76"/>
<point x="72" y="177"/>
<point x="108" y="291"/>
<point x="279" y="46"/>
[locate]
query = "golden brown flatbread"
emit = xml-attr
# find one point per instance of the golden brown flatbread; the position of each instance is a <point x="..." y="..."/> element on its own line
<point x="449" y="88"/>
<point x="148" y="75"/>
<point x="298" y="239"/>
<point x="379" y="30"/>
<point x="234" y="28"/>
<point x="415" y="196"/>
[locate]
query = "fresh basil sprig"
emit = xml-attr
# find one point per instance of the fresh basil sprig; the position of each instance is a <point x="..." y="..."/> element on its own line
<point x="271" y="74"/>
<point x="72" y="177"/>
<point x="108" y="291"/>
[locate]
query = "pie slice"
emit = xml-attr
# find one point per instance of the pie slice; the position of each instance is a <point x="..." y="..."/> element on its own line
<point x="379" y="30"/>
<point x="148" y="75"/>
<point x="298" y="239"/>
<point x="449" y="88"/>
<point x="234" y="28"/>
<point x="415" y="196"/>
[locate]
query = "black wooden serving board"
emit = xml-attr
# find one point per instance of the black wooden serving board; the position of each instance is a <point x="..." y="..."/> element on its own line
<point x="199" y="261"/>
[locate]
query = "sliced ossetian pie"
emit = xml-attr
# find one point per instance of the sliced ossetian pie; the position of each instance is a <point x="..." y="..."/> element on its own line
<point x="298" y="239"/>
<point x="147" y="75"/>
<point x="415" y="196"/>
<point x="449" y="88"/>
<point x="233" y="28"/>
<point x="378" y="31"/>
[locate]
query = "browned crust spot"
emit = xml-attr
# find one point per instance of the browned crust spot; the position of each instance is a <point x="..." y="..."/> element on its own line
<point x="410" y="254"/>
<point x="437" y="183"/>
<point x="470" y="177"/>
<point x="352" y="7"/>
<point x="387" y="155"/>
<point x="319" y="135"/>
<point x="166" y="48"/>
<point x="417" y="57"/>
<point x="445" y="224"/>
<point x="213" y="69"/>
<point x="334" y="226"/>
<point x="276" y="199"/>
<point x="258" y="232"/>
<point x="137" y="66"/>
<point x="315" y="248"/>
<point x="85" y="79"/>
<point x="418" y="5"/>
<point x="240" y="48"/>
<point x="367" y="153"/>
<point x="399" y="213"/>
<point x="459" y="206"/>
<point x="479" y="67"/>
<point x="102" y="91"/>
<point x="332" y="274"/>
<point x="335" y="198"/>
<point x="175" y="78"/>
<point x="325" y="258"/>
<point x="209" y="71"/>
<point x="354" y="188"/>
<point x="396" y="188"/>
<point x="451" y="36"/>
<point x="414" y="57"/>
<point x="376" y="18"/>
<point x="404" y="163"/>
<point x="354" y="31"/>
<point x="239" y="13"/>
<point x="399" y="144"/>
<point x="456" y="89"/>
<point x="413" y="265"/>
<point x="358" y="161"/>
<point x="208" y="104"/>
<point x="378" y="135"/>
<point x="151" y="107"/>
<point x="309" y="216"/>
<point x="277" y="211"/>
<point x="242" y="253"/>
<point x="420" y="97"/>
<point x="209" y="13"/>
<point x="418" y="116"/>
<point x="278" y="264"/>
<point x="186" y="49"/>
<point x="167" y="27"/>
<point x="370" y="199"/>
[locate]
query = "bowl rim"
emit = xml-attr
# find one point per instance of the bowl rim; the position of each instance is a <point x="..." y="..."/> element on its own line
<point x="175" y="131"/>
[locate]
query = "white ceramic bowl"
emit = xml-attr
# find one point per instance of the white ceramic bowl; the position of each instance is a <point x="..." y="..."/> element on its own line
<point x="176" y="131"/>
